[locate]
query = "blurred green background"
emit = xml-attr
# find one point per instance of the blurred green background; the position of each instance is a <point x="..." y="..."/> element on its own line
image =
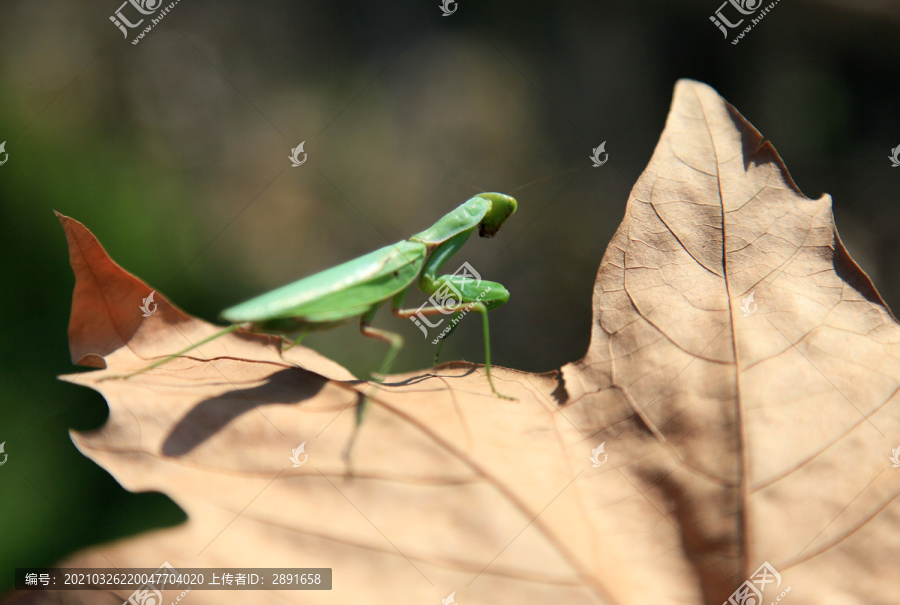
<point x="174" y="153"/>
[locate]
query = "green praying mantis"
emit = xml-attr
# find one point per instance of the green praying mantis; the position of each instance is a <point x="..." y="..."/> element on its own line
<point x="359" y="288"/>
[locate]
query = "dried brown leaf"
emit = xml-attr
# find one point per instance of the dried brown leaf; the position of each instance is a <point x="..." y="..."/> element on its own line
<point x="737" y="431"/>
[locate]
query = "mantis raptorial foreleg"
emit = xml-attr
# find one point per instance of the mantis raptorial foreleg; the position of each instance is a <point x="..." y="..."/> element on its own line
<point x="296" y="342"/>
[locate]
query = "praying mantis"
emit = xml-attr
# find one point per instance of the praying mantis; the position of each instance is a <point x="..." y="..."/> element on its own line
<point x="360" y="287"/>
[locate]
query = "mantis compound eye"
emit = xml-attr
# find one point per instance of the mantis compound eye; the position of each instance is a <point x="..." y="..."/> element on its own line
<point x="502" y="207"/>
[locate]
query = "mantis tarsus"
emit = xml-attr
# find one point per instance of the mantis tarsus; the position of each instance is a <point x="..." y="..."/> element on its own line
<point x="358" y="288"/>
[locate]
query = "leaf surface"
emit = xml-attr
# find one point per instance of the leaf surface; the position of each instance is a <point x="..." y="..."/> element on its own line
<point x="742" y="376"/>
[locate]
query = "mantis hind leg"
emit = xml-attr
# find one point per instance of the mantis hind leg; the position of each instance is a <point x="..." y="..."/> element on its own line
<point x="296" y="342"/>
<point x="169" y="358"/>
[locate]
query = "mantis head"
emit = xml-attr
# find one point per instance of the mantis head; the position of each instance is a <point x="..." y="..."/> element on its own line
<point x="502" y="207"/>
<point x="487" y="211"/>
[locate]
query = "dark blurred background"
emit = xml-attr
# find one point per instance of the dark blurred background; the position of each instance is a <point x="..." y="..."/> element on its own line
<point x="174" y="152"/>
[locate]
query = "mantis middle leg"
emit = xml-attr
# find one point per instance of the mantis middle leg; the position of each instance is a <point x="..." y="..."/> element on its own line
<point x="477" y="307"/>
